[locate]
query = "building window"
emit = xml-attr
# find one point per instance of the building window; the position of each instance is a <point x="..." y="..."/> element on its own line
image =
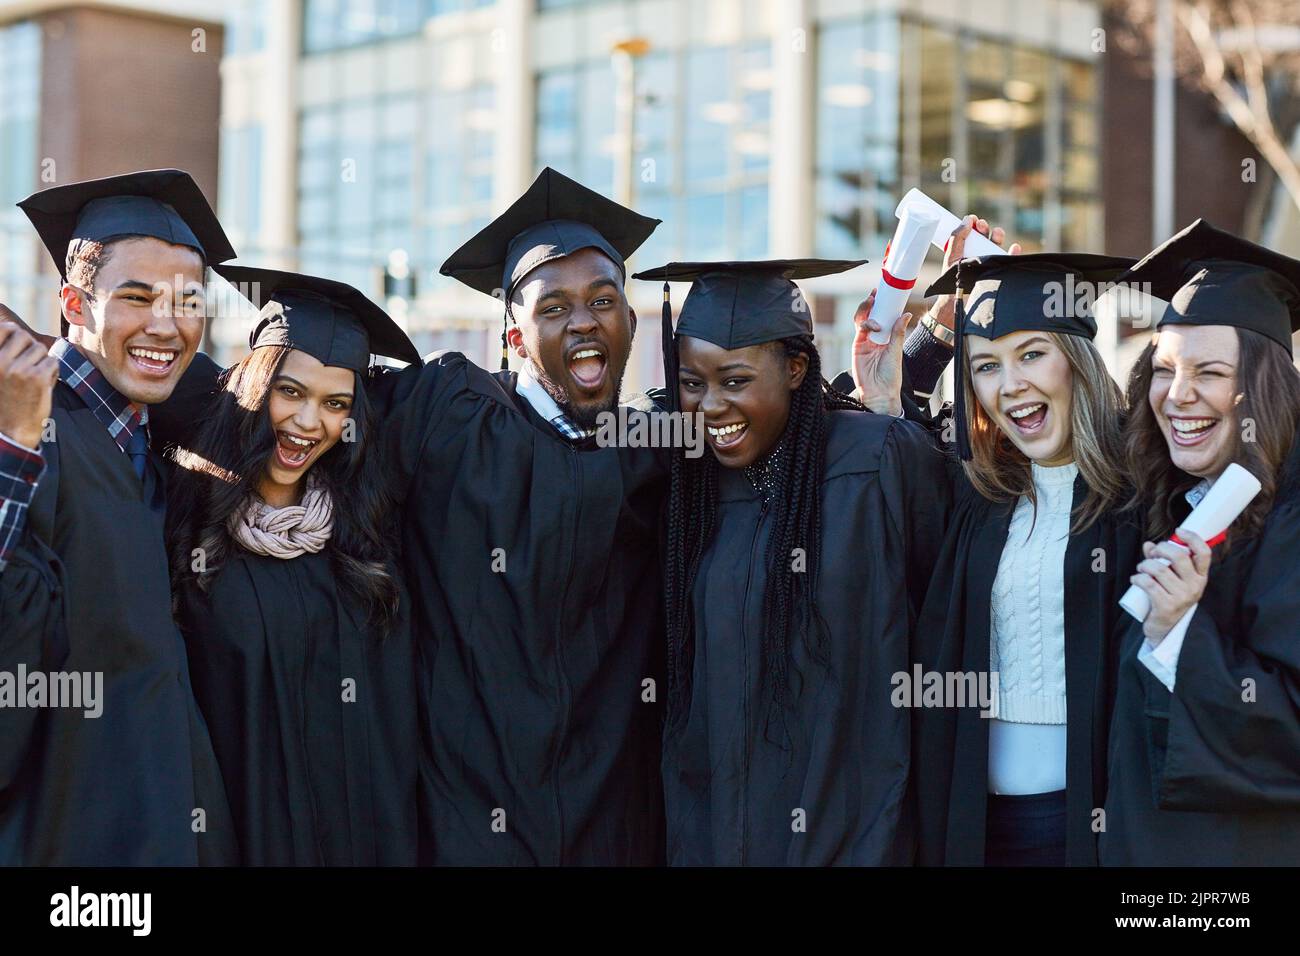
<point x="334" y="24"/>
<point x="981" y="125"/>
<point x="20" y="52"/>
<point x="702" y="149"/>
<point x="857" y="176"/>
<point x="245" y="27"/>
<point x="20" y="164"/>
<point x="241" y="184"/>
<point x="575" y="123"/>
<point x="409" y="173"/>
<point x="458" y="182"/>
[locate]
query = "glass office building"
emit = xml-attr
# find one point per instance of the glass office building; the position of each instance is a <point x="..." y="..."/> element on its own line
<point x="366" y="139"/>
<point x="414" y="122"/>
<point x="20" y="52"/>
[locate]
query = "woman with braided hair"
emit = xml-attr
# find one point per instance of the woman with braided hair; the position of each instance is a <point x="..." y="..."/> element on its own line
<point x="285" y="590"/>
<point x="795" y="565"/>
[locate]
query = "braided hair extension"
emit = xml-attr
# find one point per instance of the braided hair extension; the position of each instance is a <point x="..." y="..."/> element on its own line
<point x="796" y="523"/>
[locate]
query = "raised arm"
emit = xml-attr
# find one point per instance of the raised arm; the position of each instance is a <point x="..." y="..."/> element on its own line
<point x="32" y="635"/>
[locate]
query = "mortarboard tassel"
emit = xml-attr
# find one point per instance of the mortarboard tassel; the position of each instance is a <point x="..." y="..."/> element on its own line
<point x="505" y="346"/>
<point x="959" y="381"/>
<point x="670" y="353"/>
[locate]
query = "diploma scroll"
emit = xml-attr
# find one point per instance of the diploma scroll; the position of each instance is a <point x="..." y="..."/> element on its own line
<point x="977" y="245"/>
<point x="1233" y="491"/>
<point x="903" y="258"/>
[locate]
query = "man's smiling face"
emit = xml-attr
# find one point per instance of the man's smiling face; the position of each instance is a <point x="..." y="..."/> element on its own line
<point x="142" y="321"/>
<point x="574" y="322"/>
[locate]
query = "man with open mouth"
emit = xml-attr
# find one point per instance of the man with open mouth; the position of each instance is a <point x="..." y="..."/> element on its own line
<point x="83" y="569"/>
<point x="533" y="555"/>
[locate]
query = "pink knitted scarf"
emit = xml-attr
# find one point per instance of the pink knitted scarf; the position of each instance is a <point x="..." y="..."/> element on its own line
<point x="286" y="532"/>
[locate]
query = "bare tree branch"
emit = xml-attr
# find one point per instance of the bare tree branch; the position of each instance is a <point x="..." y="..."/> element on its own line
<point x="1255" y="124"/>
<point x="1252" y="62"/>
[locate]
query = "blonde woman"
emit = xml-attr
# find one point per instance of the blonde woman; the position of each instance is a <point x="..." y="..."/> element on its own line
<point x="1022" y="599"/>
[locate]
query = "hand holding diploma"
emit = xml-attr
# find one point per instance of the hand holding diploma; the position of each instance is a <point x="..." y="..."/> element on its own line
<point x="1173" y="578"/>
<point x="1172" y="572"/>
<point x="878" y="369"/>
<point x="944" y="309"/>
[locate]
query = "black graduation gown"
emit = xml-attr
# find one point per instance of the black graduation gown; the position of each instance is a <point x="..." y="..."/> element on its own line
<point x="1201" y="776"/>
<point x="88" y="591"/>
<point x="736" y="790"/>
<point x="537" y="611"/>
<point x="951" y="745"/>
<point x="317" y="773"/>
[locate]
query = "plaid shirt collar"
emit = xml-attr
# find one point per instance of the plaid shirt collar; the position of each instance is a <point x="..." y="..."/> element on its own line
<point x="115" y="412"/>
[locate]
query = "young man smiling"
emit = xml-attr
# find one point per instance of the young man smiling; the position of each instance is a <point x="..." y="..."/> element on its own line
<point x="533" y="555"/>
<point x="575" y="337"/>
<point x="83" y="572"/>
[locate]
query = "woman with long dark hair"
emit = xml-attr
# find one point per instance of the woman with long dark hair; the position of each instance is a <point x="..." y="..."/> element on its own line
<point x="285" y="587"/>
<point x="1022" y="603"/>
<point x="796" y="558"/>
<point x="1205" y="751"/>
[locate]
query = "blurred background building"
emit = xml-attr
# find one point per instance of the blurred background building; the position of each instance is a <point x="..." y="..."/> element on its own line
<point x="366" y="139"/>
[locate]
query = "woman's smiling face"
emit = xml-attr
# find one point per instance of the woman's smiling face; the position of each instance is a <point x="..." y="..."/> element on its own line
<point x="1023" y="381"/>
<point x="743" y="394"/>
<point x="1193" y="393"/>
<point x="308" y="405"/>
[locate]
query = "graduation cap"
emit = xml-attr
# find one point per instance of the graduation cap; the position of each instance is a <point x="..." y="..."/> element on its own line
<point x="738" y="304"/>
<point x="1211" y="277"/>
<point x="330" y="321"/>
<point x="556" y="217"/>
<point x="163" y="204"/>
<point x="1043" y="292"/>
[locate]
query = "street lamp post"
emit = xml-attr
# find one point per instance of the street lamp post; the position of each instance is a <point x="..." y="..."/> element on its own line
<point x="624" y="55"/>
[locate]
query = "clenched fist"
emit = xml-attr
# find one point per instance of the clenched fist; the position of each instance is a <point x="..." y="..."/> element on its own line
<point x="27" y="376"/>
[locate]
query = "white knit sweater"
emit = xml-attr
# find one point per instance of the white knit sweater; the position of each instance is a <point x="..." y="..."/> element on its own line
<point x="1028" y="604"/>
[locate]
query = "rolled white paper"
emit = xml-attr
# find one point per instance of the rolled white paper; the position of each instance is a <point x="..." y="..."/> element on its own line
<point x="901" y="267"/>
<point x="1227" y="499"/>
<point x="977" y="245"/>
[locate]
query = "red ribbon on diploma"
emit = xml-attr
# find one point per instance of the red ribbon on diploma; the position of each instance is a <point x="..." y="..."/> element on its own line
<point x="1217" y="539"/>
<point x="891" y="280"/>
<point x="895" y="281"/>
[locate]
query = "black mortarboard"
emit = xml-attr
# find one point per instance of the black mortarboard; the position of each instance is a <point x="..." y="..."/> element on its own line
<point x="330" y="321"/>
<point x="738" y="304"/>
<point x="1211" y="277"/>
<point x="164" y="204"/>
<point x="556" y="217"/>
<point x="1043" y="292"/>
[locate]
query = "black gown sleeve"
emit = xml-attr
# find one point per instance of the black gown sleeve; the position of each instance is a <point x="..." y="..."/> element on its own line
<point x="918" y="494"/>
<point x="33" y="635"/>
<point x="924" y="359"/>
<point x="1232" y="740"/>
<point x="413" y="403"/>
<point x="175" y="421"/>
